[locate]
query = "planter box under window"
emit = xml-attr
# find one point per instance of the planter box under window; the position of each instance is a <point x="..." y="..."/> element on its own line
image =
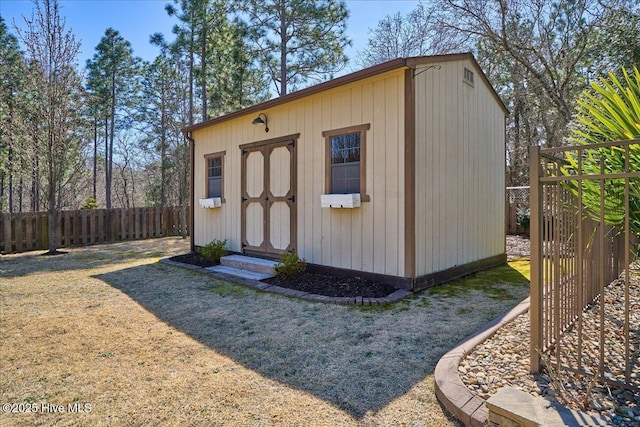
<point x="340" y="201"/>
<point x="214" y="202"/>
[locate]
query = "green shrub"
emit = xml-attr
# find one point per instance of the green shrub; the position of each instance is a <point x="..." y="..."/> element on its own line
<point x="290" y="265"/>
<point x="214" y="250"/>
<point x="91" y="203"/>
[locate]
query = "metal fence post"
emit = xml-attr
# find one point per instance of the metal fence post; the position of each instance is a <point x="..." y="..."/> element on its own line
<point x="535" y="308"/>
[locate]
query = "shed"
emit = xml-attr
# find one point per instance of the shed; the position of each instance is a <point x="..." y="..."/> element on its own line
<point x="395" y="172"/>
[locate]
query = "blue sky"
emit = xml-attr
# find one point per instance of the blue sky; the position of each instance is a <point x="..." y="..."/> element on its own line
<point x="136" y="20"/>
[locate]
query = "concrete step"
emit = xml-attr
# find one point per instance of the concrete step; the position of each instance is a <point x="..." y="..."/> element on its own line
<point x="259" y="265"/>
<point x="239" y="272"/>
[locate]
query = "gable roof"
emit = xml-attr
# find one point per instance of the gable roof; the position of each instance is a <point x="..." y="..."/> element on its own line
<point x="410" y="62"/>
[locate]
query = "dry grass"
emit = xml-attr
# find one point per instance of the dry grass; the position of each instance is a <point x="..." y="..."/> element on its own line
<point x="150" y="344"/>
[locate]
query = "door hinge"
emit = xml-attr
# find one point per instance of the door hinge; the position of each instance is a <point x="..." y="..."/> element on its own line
<point x="292" y="143"/>
<point x="292" y="199"/>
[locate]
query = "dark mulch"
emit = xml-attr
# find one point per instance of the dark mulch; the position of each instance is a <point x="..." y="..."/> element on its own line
<point x="193" y="258"/>
<point x="319" y="284"/>
<point x="333" y="286"/>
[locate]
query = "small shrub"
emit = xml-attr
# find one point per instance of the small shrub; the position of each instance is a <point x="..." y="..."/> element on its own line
<point x="90" y="203"/>
<point x="290" y="265"/>
<point x="523" y="218"/>
<point x="214" y="250"/>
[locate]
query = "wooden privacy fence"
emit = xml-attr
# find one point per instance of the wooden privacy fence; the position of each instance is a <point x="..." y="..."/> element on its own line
<point x="582" y="250"/>
<point x="28" y="231"/>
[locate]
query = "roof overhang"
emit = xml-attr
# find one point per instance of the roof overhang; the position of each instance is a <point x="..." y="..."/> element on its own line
<point x="411" y="62"/>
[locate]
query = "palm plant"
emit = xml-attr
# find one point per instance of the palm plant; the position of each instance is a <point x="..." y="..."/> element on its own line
<point x="609" y="111"/>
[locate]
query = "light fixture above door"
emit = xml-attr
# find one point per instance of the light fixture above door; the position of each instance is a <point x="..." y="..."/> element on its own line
<point x="261" y="120"/>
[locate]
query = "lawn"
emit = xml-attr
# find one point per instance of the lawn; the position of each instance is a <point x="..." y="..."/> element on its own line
<point x="138" y="342"/>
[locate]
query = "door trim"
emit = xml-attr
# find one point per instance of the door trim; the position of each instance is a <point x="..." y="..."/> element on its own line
<point x="266" y="198"/>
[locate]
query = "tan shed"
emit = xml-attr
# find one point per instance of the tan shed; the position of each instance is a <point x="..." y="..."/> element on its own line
<point x="396" y="171"/>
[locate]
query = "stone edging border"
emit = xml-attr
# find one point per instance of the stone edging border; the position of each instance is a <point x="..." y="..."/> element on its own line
<point x="265" y="287"/>
<point x="450" y="390"/>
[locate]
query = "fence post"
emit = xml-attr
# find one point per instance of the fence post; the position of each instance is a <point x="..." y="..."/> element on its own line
<point x="157" y="213"/>
<point x="44" y="231"/>
<point x="535" y="308"/>
<point x="145" y="223"/>
<point x="7" y="232"/>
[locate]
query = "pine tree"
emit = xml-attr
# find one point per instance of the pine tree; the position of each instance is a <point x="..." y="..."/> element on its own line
<point x="297" y="41"/>
<point x="11" y="85"/>
<point x="112" y="79"/>
<point x="222" y="71"/>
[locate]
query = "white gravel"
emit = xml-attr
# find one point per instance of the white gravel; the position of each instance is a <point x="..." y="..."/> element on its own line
<point x="504" y="358"/>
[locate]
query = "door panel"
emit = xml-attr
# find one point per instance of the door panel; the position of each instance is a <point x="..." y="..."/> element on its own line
<point x="255" y="174"/>
<point x="280" y="226"/>
<point x="255" y="225"/>
<point x="279" y="172"/>
<point x="268" y="213"/>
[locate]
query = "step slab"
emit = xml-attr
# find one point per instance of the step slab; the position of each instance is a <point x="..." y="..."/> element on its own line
<point x="238" y="272"/>
<point x="258" y="265"/>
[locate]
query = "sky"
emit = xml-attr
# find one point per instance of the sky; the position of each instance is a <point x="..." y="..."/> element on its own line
<point x="136" y="20"/>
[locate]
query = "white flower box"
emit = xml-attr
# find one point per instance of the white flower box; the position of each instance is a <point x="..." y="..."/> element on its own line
<point x="340" y="201"/>
<point x="214" y="202"/>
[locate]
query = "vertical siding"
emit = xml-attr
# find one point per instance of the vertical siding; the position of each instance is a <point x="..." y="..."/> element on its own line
<point x="369" y="238"/>
<point x="460" y="163"/>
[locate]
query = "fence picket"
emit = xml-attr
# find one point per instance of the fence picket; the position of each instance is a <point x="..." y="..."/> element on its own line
<point x="26" y="231"/>
<point x="19" y="237"/>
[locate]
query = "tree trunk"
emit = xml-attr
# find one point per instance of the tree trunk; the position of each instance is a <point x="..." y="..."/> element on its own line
<point x="163" y="148"/>
<point x="203" y="69"/>
<point x="514" y="172"/>
<point x="191" y="65"/>
<point x="111" y="137"/>
<point x="20" y="193"/>
<point x="52" y="235"/>
<point x="183" y="220"/>
<point x="95" y="156"/>
<point x="10" y="173"/>
<point x="35" y="181"/>
<point x="53" y="176"/>
<point x="107" y="181"/>
<point x="184" y="186"/>
<point x="283" y="48"/>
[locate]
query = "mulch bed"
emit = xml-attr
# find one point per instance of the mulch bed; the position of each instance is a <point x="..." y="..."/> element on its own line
<point x="193" y="258"/>
<point x="334" y="286"/>
<point x="319" y="284"/>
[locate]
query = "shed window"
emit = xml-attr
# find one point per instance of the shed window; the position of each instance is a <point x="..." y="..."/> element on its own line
<point x="468" y="76"/>
<point x="345" y="163"/>
<point x="346" y="160"/>
<point x="215" y="174"/>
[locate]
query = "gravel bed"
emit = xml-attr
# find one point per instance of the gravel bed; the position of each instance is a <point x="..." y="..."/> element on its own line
<point x="518" y="247"/>
<point x="504" y="360"/>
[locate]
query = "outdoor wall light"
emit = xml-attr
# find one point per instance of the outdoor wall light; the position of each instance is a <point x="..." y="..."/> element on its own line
<point x="260" y="121"/>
